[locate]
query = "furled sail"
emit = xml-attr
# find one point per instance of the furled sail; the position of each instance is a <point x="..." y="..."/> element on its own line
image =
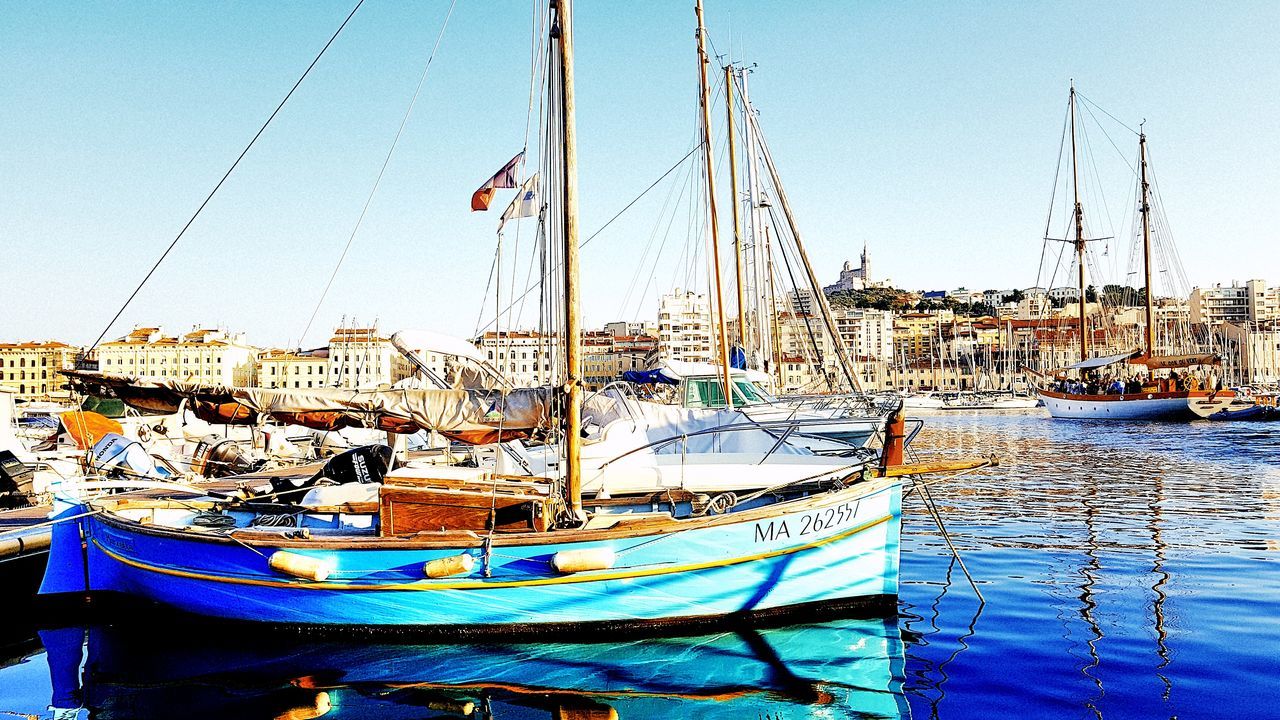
<point x="1157" y="362"/>
<point x="473" y="416"/>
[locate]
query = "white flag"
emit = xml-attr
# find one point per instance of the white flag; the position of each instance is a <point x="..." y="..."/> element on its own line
<point x="526" y="203"/>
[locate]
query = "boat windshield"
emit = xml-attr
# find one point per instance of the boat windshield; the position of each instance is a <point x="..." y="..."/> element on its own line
<point x="708" y="393"/>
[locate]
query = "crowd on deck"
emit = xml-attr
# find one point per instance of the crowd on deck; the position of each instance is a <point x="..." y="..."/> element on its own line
<point x="1096" y="384"/>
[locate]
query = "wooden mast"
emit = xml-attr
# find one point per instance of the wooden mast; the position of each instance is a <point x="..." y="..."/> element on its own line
<point x="1075" y="188"/>
<point x="733" y="193"/>
<point x="572" y="300"/>
<point x="713" y="238"/>
<point x="1150" y="335"/>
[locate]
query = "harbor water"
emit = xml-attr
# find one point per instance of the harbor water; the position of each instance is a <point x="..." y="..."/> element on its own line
<point x="1129" y="571"/>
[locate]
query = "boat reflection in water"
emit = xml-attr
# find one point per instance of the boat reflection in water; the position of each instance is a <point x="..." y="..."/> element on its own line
<point x="848" y="668"/>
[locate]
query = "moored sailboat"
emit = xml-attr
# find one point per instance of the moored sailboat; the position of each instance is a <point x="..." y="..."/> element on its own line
<point x="1150" y="398"/>
<point x="455" y="550"/>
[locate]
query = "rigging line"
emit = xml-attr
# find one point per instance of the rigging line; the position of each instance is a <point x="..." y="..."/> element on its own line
<point x="1107" y="135"/>
<point x="1057" y="172"/>
<point x="226" y="175"/>
<point x="538" y="57"/>
<point x="617" y="215"/>
<point x="642" y="264"/>
<point x="813" y="299"/>
<point x="484" y="299"/>
<point x="653" y="275"/>
<point x="1104" y="112"/>
<point x="381" y="171"/>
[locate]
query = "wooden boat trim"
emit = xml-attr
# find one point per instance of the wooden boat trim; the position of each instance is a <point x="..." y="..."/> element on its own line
<point x="600" y="576"/>
<point x="639" y="527"/>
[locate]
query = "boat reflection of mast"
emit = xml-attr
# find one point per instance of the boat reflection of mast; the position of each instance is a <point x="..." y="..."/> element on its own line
<point x="1157" y="567"/>
<point x="1089" y="605"/>
<point x="935" y="699"/>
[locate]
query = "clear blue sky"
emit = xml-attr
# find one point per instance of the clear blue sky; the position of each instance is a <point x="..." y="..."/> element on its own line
<point x="927" y="129"/>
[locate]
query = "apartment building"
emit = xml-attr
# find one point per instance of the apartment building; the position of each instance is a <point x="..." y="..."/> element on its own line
<point x="684" y="327"/>
<point x="293" y="371"/>
<point x="362" y="358"/>
<point x="205" y="355"/>
<point x="523" y="357"/>
<point x="30" y="369"/>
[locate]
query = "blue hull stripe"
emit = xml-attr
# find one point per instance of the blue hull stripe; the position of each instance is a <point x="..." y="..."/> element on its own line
<point x="492" y="584"/>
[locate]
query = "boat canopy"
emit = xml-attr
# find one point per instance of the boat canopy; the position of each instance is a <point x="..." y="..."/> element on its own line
<point x="466" y="368"/>
<point x="411" y="342"/>
<point x="467" y="415"/>
<point x="1158" y="362"/>
<point x="1098" y="362"/>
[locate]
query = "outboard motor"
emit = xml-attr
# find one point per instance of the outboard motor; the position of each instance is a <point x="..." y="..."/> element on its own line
<point x="365" y="464"/>
<point x="15" y="481"/>
<point x="219" y="457"/>
<point x="117" y="456"/>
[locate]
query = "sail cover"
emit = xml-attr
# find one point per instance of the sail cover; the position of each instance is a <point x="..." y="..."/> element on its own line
<point x="467" y="415"/>
<point x="1157" y="362"/>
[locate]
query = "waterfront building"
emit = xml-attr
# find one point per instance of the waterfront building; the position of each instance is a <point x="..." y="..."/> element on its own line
<point x="684" y="327"/>
<point x="205" y="355"/>
<point x="523" y="357"/>
<point x="995" y="298"/>
<point x="867" y="333"/>
<point x="361" y="358"/>
<point x="1264" y="302"/>
<point x="632" y="329"/>
<point x="604" y="362"/>
<point x="1216" y="305"/>
<point x="288" y="370"/>
<point x="1065" y="293"/>
<point x="30" y="370"/>
<point x="1033" y="305"/>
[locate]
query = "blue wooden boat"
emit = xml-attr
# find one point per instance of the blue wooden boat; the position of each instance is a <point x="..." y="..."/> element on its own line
<point x="823" y="547"/>
<point x="713" y="533"/>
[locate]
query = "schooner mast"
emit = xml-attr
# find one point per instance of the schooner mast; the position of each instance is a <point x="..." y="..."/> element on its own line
<point x="1145" y="209"/>
<point x="1079" y="223"/>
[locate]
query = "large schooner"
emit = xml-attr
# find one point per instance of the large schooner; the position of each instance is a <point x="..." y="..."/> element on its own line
<point x="1093" y="394"/>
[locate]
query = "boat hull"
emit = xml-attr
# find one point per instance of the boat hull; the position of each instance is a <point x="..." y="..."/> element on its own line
<point x="839" y="547"/>
<point x="1142" y="406"/>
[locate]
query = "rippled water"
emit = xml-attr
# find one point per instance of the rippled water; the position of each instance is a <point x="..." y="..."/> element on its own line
<point x="1129" y="571"/>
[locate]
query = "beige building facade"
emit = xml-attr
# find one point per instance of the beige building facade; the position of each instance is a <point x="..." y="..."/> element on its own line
<point x="203" y="355"/>
<point x="30" y="369"/>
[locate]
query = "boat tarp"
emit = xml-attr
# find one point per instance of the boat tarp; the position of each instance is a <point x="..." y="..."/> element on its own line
<point x="1159" y="362"/>
<point x="1098" y="362"/>
<point x="678" y="370"/>
<point x="467" y="415"/>
<point x="648" y="377"/>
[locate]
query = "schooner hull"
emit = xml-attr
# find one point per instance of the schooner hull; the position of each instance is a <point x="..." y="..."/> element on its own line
<point x="840" y="547"/>
<point x="1142" y="406"/>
